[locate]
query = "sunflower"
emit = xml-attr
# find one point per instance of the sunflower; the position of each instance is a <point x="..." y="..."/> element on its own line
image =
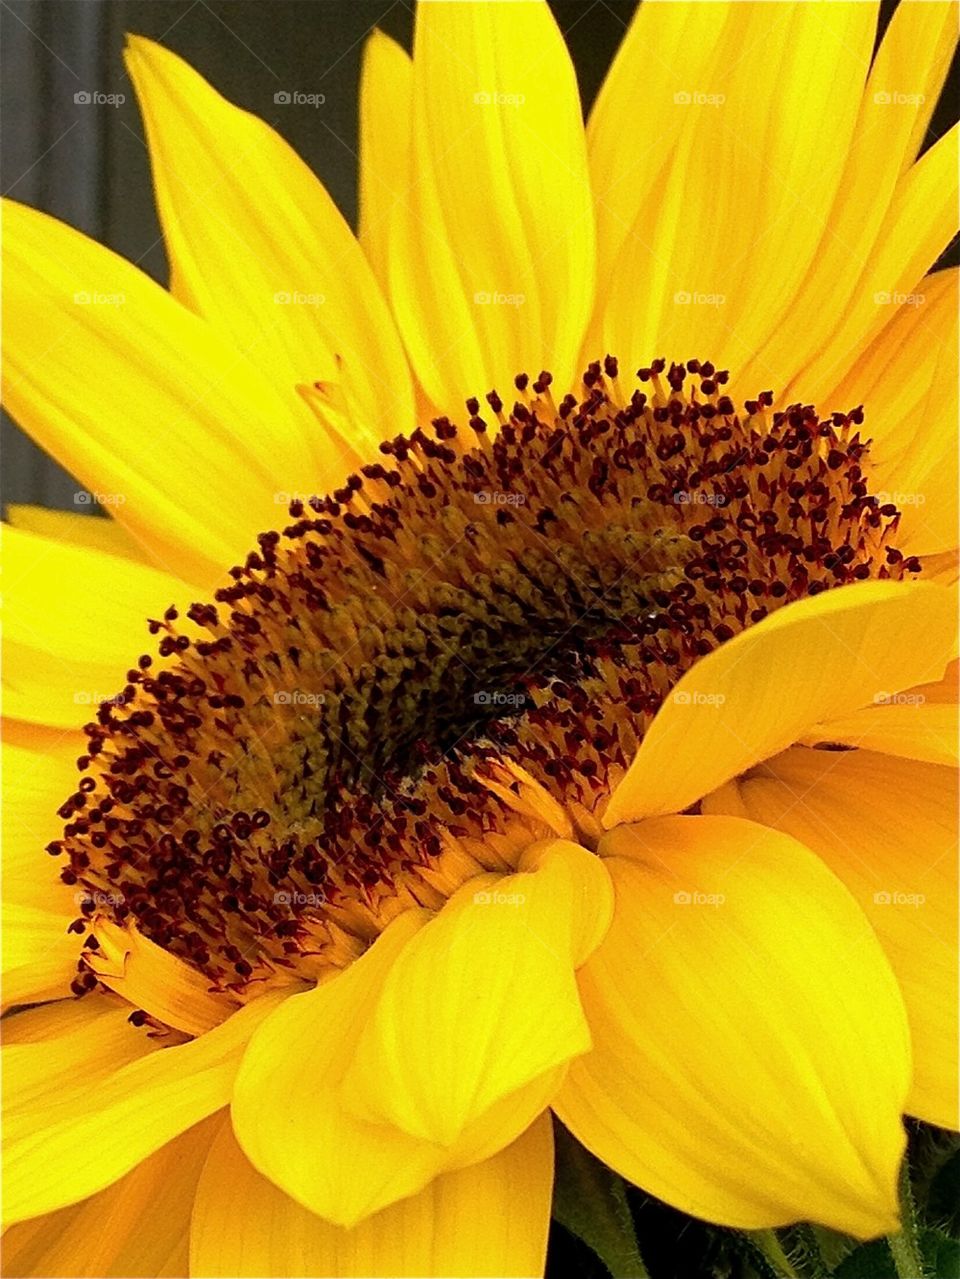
<point x="588" y="747"/>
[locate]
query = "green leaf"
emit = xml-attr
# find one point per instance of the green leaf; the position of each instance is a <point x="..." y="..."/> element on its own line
<point x="869" y="1261"/>
<point x="941" y="1254"/>
<point x="590" y="1201"/>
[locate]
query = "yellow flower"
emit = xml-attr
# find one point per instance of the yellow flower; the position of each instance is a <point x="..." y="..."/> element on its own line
<point x="536" y="767"/>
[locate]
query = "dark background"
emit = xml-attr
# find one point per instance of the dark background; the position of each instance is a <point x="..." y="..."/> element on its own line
<point x="88" y="165"/>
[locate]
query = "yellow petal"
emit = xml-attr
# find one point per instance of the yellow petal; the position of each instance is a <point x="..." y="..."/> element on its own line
<point x="386" y="95"/>
<point x="79" y="530"/>
<point x="666" y="45"/>
<point x="37" y="778"/>
<point x="488" y="1219"/>
<point x="157" y="415"/>
<point x="492" y="257"/>
<point x="888" y="829"/>
<point x="320" y="1154"/>
<point x="151" y="978"/>
<point x="450" y="1034"/>
<point x="904" y="82"/>
<point x="86" y="1107"/>
<point x="751" y="1054"/>
<point x="919" y="723"/>
<point x="907" y="381"/>
<point x="819" y="658"/>
<point x="717" y="248"/>
<point x="920" y="224"/>
<point x="75" y="622"/>
<point x="140" y="1226"/>
<point x="39" y="955"/>
<point x="261" y="251"/>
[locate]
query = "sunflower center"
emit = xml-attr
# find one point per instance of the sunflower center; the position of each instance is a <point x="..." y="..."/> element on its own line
<point x="450" y="656"/>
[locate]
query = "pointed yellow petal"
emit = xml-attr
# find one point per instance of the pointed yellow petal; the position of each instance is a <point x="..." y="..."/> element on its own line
<point x="153" y="411"/>
<point x="888" y="829"/>
<point x="450" y="1034"/>
<point x="492" y="257"/>
<point x="488" y="1219"/>
<point x="907" y="381"/>
<point x="718" y="247"/>
<point x="85" y="1108"/>
<point x="903" y="84"/>
<point x="757" y="694"/>
<point x="140" y="1226"/>
<point x="919" y="723"/>
<point x="93" y="532"/>
<point x="751" y="1054"/>
<point x="386" y="96"/>
<point x="667" y="48"/>
<point x="921" y="222"/>
<point x="260" y="250"/>
<point x="75" y="622"/>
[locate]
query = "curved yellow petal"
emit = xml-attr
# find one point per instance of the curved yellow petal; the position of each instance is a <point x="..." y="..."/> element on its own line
<point x="751" y="1054"/>
<point x="326" y="1159"/>
<point x="449" y="1036"/>
<point x="85" y="1108"/>
<point x="39" y="955"/>
<point x="79" y="530"/>
<point x="919" y="723"/>
<point x="821" y="657"/>
<point x="151" y="978"/>
<point x="75" y="621"/>
<point x="888" y="829"/>
<point x="488" y="1219"/>
<point x="903" y="85"/>
<point x="718" y="246"/>
<point x="260" y="250"/>
<point x="386" y="96"/>
<point x="138" y="1227"/>
<point x="158" y="416"/>
<point x="492" y="257"/>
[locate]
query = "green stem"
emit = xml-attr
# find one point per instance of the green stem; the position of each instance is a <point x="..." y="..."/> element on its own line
<point x="772" y="1249"/>
<point x="904" y="1245"/>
